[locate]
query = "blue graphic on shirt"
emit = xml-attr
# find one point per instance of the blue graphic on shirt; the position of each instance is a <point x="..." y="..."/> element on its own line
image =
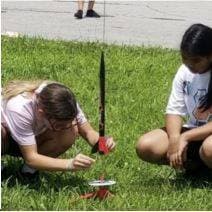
<point x="201" y="116"/>
<point x="187" y="88"/>
<point x="199" y="95"/>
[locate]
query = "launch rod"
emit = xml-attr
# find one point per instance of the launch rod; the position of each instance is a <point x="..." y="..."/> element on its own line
<point x="102" y="97"/>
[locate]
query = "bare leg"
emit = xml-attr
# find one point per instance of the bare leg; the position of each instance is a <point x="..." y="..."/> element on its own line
<point x="206" y="151"/>
<point x="80" y="4"/>
<point x="53" y="144"/>
<point x="152" y="147"/>
<point x="79" y="13"/>
<point x="4" y="140"/>
<point x="91" y="5"/>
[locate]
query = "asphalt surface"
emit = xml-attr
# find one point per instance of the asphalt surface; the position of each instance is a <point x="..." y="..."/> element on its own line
<point x="126" y="22"/>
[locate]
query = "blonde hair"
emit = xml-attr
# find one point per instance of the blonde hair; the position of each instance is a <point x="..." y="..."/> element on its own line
<point x="16" y="87"/>
<point x="57" y="101"/>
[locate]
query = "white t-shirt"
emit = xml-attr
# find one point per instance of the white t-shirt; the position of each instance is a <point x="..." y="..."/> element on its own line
<point x="187" y="90"/>
<point x="19" y="115"/>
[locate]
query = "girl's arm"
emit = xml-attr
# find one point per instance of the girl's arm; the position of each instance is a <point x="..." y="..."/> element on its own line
<point x="176" y="107"/>
<point x="91" y="136"/>
<point x="88" y="133"/>
<point x="173" y="128"/>
<point x="199" y="133"/>
<point x="173" y="125"/>
<point x="42" y="162"/>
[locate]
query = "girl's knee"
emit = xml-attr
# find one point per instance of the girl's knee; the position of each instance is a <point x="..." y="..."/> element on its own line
<point x="152" y="146"/>
<point x="63" y="143"/>
<point x="206" y="149"/>
<point x="144" y="147"/>
<point x="53" y="143"/>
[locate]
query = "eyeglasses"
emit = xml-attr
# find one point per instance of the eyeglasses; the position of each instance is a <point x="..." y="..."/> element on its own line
<point x="58" y="125"/>
<point x="62" y="125"/>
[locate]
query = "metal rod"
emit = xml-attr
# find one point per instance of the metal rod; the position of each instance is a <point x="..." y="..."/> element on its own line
<point x="102" y="96"/>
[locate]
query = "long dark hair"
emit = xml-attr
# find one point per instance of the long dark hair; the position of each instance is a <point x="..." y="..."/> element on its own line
<point x="197" y="41"/>
<point x="58" y="102"/>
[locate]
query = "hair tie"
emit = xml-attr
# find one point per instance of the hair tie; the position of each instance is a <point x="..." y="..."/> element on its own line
<point x="40" y="88"/>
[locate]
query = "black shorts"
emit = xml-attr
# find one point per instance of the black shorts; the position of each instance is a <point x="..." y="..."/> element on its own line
<point x="13" y="149"/>
<point x="8" y="145"/>
<point x="193" y="149"/>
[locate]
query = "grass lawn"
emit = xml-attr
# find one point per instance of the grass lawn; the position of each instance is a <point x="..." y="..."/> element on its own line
<point x="138" y="84"/>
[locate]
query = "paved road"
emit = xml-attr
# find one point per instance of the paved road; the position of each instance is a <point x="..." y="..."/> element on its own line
<point x="127" y="22"/>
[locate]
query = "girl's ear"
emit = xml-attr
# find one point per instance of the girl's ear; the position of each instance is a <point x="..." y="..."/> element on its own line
<point x="41" y="112"/>
<point x="39" y="109"/>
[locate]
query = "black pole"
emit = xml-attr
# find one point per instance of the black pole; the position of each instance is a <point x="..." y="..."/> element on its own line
<point x="102" y="97"/>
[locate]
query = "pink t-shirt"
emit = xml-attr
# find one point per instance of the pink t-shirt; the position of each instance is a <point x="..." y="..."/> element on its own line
<point x="19" y="115"/>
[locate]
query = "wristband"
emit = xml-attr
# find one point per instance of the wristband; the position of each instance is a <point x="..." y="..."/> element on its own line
<point x="69" y="165"/>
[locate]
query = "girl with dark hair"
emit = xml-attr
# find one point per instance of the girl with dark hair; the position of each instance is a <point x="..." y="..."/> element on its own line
<point x="40" y="121"/>
<point x="187" y="146"/>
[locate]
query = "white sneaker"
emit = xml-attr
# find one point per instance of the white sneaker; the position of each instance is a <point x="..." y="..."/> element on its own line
<point x="2" y="166"/>
<point x="27" y="169"/>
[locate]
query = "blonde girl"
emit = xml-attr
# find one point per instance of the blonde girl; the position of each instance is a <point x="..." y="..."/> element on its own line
<point x="40" y="121"/>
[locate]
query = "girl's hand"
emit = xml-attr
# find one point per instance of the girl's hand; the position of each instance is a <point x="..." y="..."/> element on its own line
<point x="173" y="145"/>
<point x="172" y="151"/>
<point x="80" y="162"/>
<point x="110" y="143"/>
<point x="173" y="161"/>
<point x="179" y="157"/>
<point x="181" y="153"/>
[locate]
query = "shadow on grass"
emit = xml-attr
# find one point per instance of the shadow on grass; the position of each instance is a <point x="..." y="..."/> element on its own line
<point x="181" y="181"/>
<point x="201" y="180"/>
<point x="45" y="181"/>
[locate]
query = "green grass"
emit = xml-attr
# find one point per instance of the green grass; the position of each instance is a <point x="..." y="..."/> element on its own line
<point x="138" y="84"/>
